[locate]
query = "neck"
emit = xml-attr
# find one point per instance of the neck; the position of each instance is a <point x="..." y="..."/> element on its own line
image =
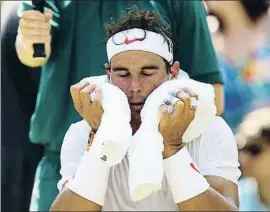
<point x="264" y="191"/>
<point x="135" y="125"/>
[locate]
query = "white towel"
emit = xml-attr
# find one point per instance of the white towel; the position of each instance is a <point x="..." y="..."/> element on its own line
<point x="114" y="133"/>
<point x="145" y="152"/>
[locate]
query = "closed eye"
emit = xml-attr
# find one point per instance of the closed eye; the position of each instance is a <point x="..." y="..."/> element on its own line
<point x="124" y="75"/>
<point x="147" y="74"/>
<point x="149" y="70"/>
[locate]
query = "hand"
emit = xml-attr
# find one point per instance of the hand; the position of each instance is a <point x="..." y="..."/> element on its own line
<point x="173" y="126"/>
<point x="91" y="111"/>
<point x="35" y="27"/>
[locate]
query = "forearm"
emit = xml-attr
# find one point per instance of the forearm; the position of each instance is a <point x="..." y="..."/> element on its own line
<point x="25" y="55"/>
<point x="210" y="200"/>
<point x="67" y="200"/>
<point x="219" y="98"/>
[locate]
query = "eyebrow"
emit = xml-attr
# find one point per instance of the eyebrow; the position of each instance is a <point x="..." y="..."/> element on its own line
<point x="150" y="67"/>
<point x="115" y="69"/>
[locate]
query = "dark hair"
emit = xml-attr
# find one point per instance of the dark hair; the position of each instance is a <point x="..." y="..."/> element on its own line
<point x="255" y="9"/>
<point x="265" y="134"/>
<point x="148" y="20"/>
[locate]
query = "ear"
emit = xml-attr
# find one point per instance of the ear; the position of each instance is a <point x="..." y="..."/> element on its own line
<point x="175" y="70"/>
<point x="108" y="70"/>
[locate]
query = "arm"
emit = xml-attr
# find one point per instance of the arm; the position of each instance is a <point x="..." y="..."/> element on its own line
<point x="194" y="48"/>
<point x="219" y="98"/>
<point x="216" y="198"/>
<point x="215" y="187"/>
<point x="39" y="32"/>
<point x="67" y="200"/>
<point x="74" y="163"/>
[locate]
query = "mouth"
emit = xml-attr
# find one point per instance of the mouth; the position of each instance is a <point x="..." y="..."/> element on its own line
<point x="136" y="106"/>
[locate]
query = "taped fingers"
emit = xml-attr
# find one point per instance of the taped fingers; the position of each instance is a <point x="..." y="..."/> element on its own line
<point x="193" y="102"/>
<point x="96" y="96"/>
<point x="185" y="98"/>
<point x="174" y="100"/>
<point x="190" y="92"/>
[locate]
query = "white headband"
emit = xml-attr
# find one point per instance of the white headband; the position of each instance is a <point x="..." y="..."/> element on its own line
<point x="141" y="40"/>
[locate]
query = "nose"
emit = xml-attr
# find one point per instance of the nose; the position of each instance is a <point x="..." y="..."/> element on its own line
<point x="135" y="85"/>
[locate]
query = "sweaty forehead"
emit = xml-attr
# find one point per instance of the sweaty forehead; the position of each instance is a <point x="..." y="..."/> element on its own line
<point x="136" y="57"/>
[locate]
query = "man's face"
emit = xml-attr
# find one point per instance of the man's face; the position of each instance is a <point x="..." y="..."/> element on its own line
<point x="137" y="74"/>
<point x="254" y="159"/>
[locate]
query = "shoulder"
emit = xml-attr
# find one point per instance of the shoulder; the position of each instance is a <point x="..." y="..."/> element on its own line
<point x="218" y="132"/>
<point x="218" y="145"/>
<point x="219" y="141"/>
<point x="80" y="128"/>
<point x="218" y="137"/>
<point x="217" y="152"/>
<point x="76" y="137"/>
<point x="73" y="148"/>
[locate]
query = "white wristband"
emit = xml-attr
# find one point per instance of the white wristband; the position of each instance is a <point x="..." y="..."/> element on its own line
<point x="183" y="176"/>
<point x="91" y="179"/>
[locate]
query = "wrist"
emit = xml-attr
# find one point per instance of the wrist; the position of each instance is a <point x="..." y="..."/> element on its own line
<point x="172" y="149"/>
<point x="184" y="177"/>
<point x="91" y="178"/>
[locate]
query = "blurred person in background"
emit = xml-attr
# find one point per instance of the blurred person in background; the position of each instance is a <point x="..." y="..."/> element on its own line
<point x="240" y="32"/>
<point x="19" y="87"/>
<point x="74" y="37"/>
<point x="254" y="157"/>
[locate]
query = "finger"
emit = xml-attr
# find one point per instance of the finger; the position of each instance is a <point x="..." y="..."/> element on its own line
<point x="34" y="24"/>
<point x="33" y="15"/>
<point x="85" y="94"/>
<point x="48" y="14"/>
<point x="174" y="100"/>
<point x="30" y="39"/>
<point x="164" y="117"/>
<point x="191" y="113"/>
<point x="193" y="103"/>
<point x="35" y="32"/>
<point x="186" y="99"/>
<point x="178" y="110"/>
<point x="97" y="97"/>
<point x="190" y="92"/>
<point x="75" y="94"/>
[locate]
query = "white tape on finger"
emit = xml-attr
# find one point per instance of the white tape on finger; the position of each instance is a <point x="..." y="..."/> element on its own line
<point x="193" y="102"/>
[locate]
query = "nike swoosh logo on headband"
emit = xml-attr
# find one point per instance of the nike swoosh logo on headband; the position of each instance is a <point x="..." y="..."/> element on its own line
<point x="133" y="40"/>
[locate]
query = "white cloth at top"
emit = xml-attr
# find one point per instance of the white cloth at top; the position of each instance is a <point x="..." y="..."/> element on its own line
<point x="114" y="133"/>
<point x="145" y="152"/>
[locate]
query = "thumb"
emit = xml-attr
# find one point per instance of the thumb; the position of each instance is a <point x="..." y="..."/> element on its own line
<point x="48" y="14"/>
